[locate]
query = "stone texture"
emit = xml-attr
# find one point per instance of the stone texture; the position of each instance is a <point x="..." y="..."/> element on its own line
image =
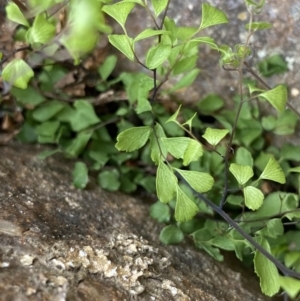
<point x="59" y="243"/>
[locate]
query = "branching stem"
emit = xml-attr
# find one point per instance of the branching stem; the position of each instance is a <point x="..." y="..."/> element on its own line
<point x="285" y="271"/>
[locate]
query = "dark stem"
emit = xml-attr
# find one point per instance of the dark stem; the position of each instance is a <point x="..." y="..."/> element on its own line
<point x="13" y="53"/>
<point x="164" y="15"/>
<point x="60" y="6"/>
<point x="21" y="6"/>
<point x="155" y="89"/>
<point x="229" y="147"/>
<point x="285" y="271"/>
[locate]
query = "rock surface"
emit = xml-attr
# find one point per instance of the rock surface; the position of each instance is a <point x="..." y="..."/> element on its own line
<point x="58" y="243"/>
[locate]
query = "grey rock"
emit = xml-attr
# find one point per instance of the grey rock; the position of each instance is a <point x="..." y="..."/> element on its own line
<point x="60" y="243"/>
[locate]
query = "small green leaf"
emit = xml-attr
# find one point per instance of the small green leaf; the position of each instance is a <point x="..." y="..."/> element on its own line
<point x="47" y="110"/>
<point x="157" y="150"/>
<point x="243" y="157"/>
<point x="18" y="73"/>
<point x="99" y="157"/>
<point x="242" y="51"/>
<point x="127" y="185"/>
<point x="286" y="123"/>
<point x="184" y="65"/>
<point x="292" y="258"/>
<point x="146" y="182"/>
<point x="191" y="226"/>
<point x="202" y="239"/>
<point x="166" y="183"/>
<point x="214" y="136"/>
<point x="206" y="40"/>
<point x="144" y="85"/>
<point x="255" y="6"/>
<point x="107" y="67"/>
<point x="143" y="105"/>
<point x="199" y="181"/>
<point x="185" y="208"/>
<point x="202" y="235"/>
<point x="186" y="80"/>
<point x="171" y="128"/>
<point x="83" y="17"/>
<point x="109" y="180"/>
<point x="273" y="172"/>
<point x="242" y="173"/>
<point x="189" y="122"/>
<point x="80" y="175"/>
<point x="223" y="242"/>
<point x="236" y="200"/>
<point x="47" y="131"/>
<point x="268" y="122"/>
<point x="295" y="169"/>
<point x="176" y="146"/>
<point x="271" y="65"/>
<point x="273" y="228"/>
<point x="185" y="34"/>
<point x="121" y="158"/>
<point x="290" y="285"/>
<point x="77" y="145"/>
<point x="252" y="89"/>
<point x="119" y="11"/>
<point x="84" y="116"/>
<point x="133" y="138"/>
<point x="171" y="235"/>
<point x="159" y="6"/>
<point x="160" y="212"/>
<point x="211" y="16"/>
<point x="290" y="152"/>
<point x="211" y="103"/>
<point x="140" y="2"/>
<point x="293" y="216"/>
<point x="157" y="55"/>
<point x="47" y="153"/>
<point x="276" y="203"/>
<point x="14" y="14"/>
<point x="174" y="116"/>
<point x="248" y="131"/>
<point x="123" y="43"/>
<point x="27" y="133"/>
<point x="29" y="96"/>
<point x="169" y="25"/>
<point x="266" y="271"/>
<point x="277" y="97"/>
<point x="258" y="25"/>
<point x="262" y="160"/>
<point x="228" y="57"/>
<point x="193" y="152"/>
<point x="42" y="31"/>
<point x="149" y="32"/>
<point x="253" y="197"/>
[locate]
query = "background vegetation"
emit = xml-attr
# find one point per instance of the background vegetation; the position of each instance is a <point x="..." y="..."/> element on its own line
<point x="218" y="177"/>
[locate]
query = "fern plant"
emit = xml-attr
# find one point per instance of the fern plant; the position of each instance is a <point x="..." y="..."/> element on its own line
<point x="191" y="192"/>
